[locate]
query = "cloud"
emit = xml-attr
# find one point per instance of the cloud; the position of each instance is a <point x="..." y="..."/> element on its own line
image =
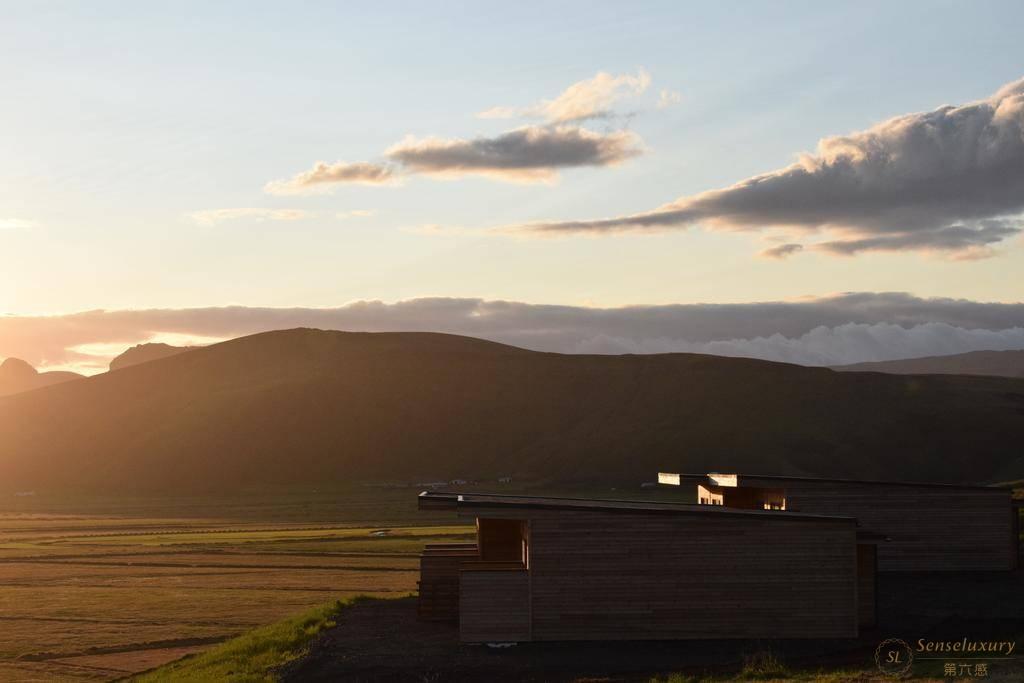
<point x="15" y="224"/>
<point x="212" y="217"/>
<point x="323" y="176"/>
<point x="839" y="345"/>
<point x="961" y="240"/>
<point x="524" y="155"/>
<point x="782" y="251"/>
<point x="527" y="154"/>
<point x="844" y="328"/>
<point x="587" y="99"/>
<point x="932" y="181"/>
<point x="667" y="98"/>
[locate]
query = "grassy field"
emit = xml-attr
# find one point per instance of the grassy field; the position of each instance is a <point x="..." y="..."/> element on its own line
<point x="97" y="589"/>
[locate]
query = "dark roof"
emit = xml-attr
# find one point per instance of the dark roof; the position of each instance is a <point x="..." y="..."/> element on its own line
<point x="873" y="482"/>
<point x="445" y="500"/>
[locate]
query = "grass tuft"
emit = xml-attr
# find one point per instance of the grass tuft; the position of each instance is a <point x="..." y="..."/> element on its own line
<point x="251" y="657"/>
<point x="762" y="665"/>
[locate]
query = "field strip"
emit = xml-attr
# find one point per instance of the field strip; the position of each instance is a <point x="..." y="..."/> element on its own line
<point x="213" y="565"/>
<point x="126" y="622"/>
<point x="130" y="647"/>
<point x="89" y="667"/>
<point x="212" y="551"/>
<point x="185" y="586"/>
<point x="50" y="670"/>
<point x="122" y="664"/>
<point x="102" y="533"/>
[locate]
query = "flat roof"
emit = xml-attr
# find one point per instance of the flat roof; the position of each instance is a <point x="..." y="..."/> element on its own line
<point x="779" y="477"/>
<point x="431" y="500"/>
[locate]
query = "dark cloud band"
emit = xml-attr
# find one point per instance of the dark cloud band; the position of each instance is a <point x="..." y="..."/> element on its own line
<point x="838" y="329"/>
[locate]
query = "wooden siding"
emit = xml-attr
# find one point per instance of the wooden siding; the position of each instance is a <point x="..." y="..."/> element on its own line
<point x="932" y="528"/>
<point x="867" y="560"/>
<point x="439" y="580"/>
<point x="620" y="575"/>
<point x="494" y="604"/>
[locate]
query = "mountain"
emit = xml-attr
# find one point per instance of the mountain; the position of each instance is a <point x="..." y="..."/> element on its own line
<point x="143" y="353"/>
<point x="992" y="363"/>
<point x="16" y="376"/>
<point x="313" y="408"/>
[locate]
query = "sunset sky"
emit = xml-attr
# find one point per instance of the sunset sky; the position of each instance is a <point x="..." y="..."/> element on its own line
<point x="591" y="157"/>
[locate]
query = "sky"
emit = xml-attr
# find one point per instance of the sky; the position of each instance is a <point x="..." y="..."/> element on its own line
<point x="591" y="159"/>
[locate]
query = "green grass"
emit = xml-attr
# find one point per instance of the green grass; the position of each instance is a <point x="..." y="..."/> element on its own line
<point x="762" y="665"/>
<point x="765" y="665"/>
<point x="252" y="657"/>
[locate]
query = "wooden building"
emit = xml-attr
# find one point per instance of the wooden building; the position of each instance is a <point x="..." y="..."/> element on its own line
<point x="572" y="569"/>
<point x="925" y="527"/>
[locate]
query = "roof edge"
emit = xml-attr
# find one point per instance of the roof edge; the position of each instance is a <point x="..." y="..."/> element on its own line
<point x="498" y="501"/>
<point x="836" y="480"/>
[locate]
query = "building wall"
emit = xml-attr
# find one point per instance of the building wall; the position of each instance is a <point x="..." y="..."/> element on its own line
<point x="933" y="528"/>
<point x="494" y="605"/>
<point x="630" y="575"/>
<point x="867" y="603"/>
<point x="439" y="581"/>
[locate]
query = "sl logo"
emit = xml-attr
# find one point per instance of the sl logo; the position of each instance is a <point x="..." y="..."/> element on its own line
<point x="894" y="657"/>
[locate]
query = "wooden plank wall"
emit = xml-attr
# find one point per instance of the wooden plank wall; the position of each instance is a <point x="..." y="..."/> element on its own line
<point x="628" y="575"/>
<point x="933" y="528"/>
<point x="494" y="605"/>
<point x="867" y="560"/>
<point x="439" y="581"/>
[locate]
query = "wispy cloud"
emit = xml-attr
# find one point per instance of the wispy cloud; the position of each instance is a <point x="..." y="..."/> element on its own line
<point x="323" y="176"/>
<point x="587" y="99"/>
<point x="525" y="155"/>
<point x="212" y="217"/>
<point x="949" y="181"/>
<point x="667" y="98"/>
<point x="528" y="154"/>
<point x="961" y="241"/>
<point x="783" y="250"/>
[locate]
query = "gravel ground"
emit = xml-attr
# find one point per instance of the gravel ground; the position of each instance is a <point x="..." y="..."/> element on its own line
<point x="382" y="641"/>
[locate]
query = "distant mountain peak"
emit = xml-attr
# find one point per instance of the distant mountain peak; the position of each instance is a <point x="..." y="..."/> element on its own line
<point x="17" y="376"/>
<point x="16" y="368"/>
<point x="144" y="353"/>
<point x="991" y="363"/>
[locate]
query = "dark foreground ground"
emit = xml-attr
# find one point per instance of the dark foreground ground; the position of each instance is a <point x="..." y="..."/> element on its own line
<point x="383" y="641"/>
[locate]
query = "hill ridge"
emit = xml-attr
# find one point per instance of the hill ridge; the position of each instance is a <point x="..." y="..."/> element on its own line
<point x="306" y="407"/>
